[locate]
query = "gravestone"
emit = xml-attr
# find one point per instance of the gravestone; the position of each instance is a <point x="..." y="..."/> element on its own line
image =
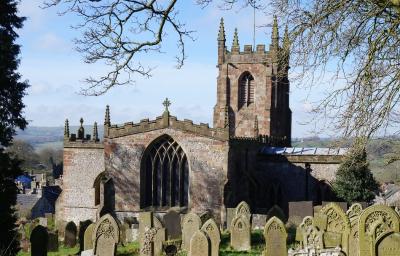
<point x="60" y="225"/>
<point x="70" y="234"/>
<point x="52" y="244"/>
<point x="83" y="225"/>
<point x="276" y="211"/>
<point x="159" y="237"/>
<point x="87" y="238"/>
<point x="389" y="245"/>
<point x="230" y="214"/>
<point x="353" y="214"/>
<point x="375" y="222"/>
<point x="337" y="227"/>
<point x="240" y="233"/>
<point x="191" y="223"/>
<point x="151" y="234"/>
<point x="258" y="221"/>
<point x="145" y="223"/>
<point x="87" y="253"/>
<point x="212" y="231"/>
<point x="39" y="239"/>
<point x="106" y="236"/>
<point x="43" y="222"/>
<point x="342" y="205"/>
<point x="243" y="209"/>
<point x="299" y="210"/>
<point x="275" y="236"/>
<point x="172" y="223"/>
<point x="199" y="244"/>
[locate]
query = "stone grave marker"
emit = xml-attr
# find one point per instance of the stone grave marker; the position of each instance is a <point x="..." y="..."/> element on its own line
<point x="275" y="236"/>
<point x="243" y="209"/>
<point x="342" y="205"/>
<point x="240" y="233"/>
<point x="70" y="234"/>
<point x="191" y="223"/>
<point x="212" y="231"/>
<point x="39" y="239"/>
<point x="258" y="221"/>
<point x="152" y="234"/>
<point x="353" y="214"/>
<point x="374" y="223"/>
<point x="145" y="223"/>
<point x="200" y="244"/>
<point x="389" y="245"/>
<point x="87" y="238"/>
<point x="230" y="214"/>
<point x="299" y="210"/>
<point x="52" y="244"/>
<point x="83" y="225"/>
<point x="43" y="221"/>
<point x="276" y="211"/>
<point x="204" y="216"/>
<point x="87" y="253"/>
<point x="172" y="224"/>
<point x="106" y="236"/>
<point x="159" y="237"/>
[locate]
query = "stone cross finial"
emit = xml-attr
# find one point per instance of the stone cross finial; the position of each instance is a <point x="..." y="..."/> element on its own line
<point x="235" y="43"/>
<point x="107" y="121"/>
<point x="66" y="129"/>
<point x="166" y="104"/>
<point x="81" y="130"/>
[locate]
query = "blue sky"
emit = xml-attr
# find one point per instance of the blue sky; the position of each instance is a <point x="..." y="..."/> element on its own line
<point x="55" y="71"/>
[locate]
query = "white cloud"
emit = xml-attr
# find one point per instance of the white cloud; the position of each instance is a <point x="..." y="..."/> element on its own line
<point x="51" y="42"/>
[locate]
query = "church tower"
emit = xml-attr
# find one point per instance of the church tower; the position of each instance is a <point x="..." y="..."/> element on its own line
<point x="253" y="88"/>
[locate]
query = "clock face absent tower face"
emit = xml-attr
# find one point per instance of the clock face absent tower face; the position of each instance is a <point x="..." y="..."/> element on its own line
<point x="253" y="89"/>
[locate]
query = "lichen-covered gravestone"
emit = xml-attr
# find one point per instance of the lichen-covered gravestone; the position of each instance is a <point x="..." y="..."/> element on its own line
<point x="275" y="236"/>
<point x="191" y="223"/>
<point x="151" y="233"/>
<point x="389" y="245"/>
<point x="87" y="238"/>
<point x="39" y="239"/>
<point x="376" y="222"/>
<point x="172" y="223"/>
<point x="70" y="234"/>
<point x="212" y="231"/>
<point x="199" y="244"/>
<point x="83" y="225"/>
<point x="353" y="213"/>
<point x="240" y="233"/>
<point x="243" y="209"/>
<point x="105" y="236"/>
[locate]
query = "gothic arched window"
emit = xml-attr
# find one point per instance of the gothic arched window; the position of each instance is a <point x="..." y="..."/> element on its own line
<point x="164" y="174"/>
<point x="246" y="89"/>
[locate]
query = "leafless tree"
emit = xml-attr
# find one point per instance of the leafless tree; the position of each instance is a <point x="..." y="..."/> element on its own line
<point x="355" y="43"/>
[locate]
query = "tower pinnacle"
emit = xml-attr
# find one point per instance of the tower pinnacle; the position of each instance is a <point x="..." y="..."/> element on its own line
<point x="221" y="33"/>
<point x="107" y="116"/>
<point x="235" y="43"/>
<point x="66" y="129"/>
<point x="275" y="33"/>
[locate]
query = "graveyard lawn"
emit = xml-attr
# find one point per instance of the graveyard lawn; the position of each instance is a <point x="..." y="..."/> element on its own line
<point x="129" y="249"/>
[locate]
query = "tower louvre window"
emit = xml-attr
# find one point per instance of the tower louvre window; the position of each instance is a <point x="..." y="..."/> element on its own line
<point x="246" y="89"/>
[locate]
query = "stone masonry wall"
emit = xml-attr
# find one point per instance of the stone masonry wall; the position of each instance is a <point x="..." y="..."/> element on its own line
<point x="81" y="167"/>
<point x="207" y="159"/>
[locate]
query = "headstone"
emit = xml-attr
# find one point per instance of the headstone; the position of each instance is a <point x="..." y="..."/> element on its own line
<point x="52" y="244"/>
<point x="240" y="233"/>
<point x="106" y="236"/>
<point x="159" y="237"/>
<point x="199" y="244"/>
<point x="389" y="245"/>
<point x="60" y="226"/>
<point x="375" y="221"/>
<point x="43" y="221"/>
<point x="275" y="236"/>
<point x="83" y="225"/>
<point x="299" y="210"/>
<point x="145" y="223"/>
<point x="172" y="223"/>
<point x="353" y="214"/>
<point x="212" y="231"/>
<point x="243" y="209"/>
<point x="230" y="214"/>
<point x="151" y="234"/>
<point x="70" y="234"/>
<point x="87" y="253"/>
<point x="38" y="239"/>
<point x="276" y="211"/>
<point x="258" y="221"/>
<point x="342" y="205"/>
<point x="87" y="238"/>
<point x="191" y="223"/>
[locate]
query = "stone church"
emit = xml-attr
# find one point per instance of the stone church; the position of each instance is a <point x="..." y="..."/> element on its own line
<point x="171" y="163"/>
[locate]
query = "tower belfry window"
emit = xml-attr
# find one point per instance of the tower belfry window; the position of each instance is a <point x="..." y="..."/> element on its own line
<point x="246" y="89"/>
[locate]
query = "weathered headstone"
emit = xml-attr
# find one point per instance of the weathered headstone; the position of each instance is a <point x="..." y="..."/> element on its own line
<point x="39" y="239"/>
<point x="172" y="223"/>
<point x="299" y="210"/>
<point x="151" y="234"/>
<point x="145" y="223"/>
<point x="52" y="244"/>
<point x="191" y="223"/>
<point x="258" y="221"/>
<point x="276" y="211"/>
<point x="275" y="236"/>
<point x="389" y="245"/>
<point x="230" y="214"/>
<point x="87" y="253"/>
<point x="43" y="221"/>
<point x="70" y="234"/>
<point x="240" y="233"/>
<point x="106" y="235"/>
<point x="243" y="209"/>
<point x="159" y="237"/>
<point x="83" y="225"/>
<point x="374" y="223"/>
<point x="88" y="237"/>
<point x="353" y="214"/>
<point x="212" y="231"/>
<point x="342" y="205"/>
<point x="199" y="244"/>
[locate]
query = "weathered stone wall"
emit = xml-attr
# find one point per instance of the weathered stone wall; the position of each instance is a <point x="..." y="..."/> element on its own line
<point x="82" y="164"/>
<point x="207" y="158"/>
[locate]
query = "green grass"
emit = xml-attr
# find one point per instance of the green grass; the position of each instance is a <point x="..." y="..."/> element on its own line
<point x="62" y="251"/>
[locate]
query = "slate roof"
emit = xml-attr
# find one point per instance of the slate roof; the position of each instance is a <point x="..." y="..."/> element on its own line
<point x="303" y="151"/>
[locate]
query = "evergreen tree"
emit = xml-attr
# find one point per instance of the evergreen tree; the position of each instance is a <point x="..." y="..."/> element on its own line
<point x="11" y="92"/>
<point x="354" y="181"/>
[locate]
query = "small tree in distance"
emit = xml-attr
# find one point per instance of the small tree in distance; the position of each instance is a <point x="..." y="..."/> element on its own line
<point x="354" y="180"/>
